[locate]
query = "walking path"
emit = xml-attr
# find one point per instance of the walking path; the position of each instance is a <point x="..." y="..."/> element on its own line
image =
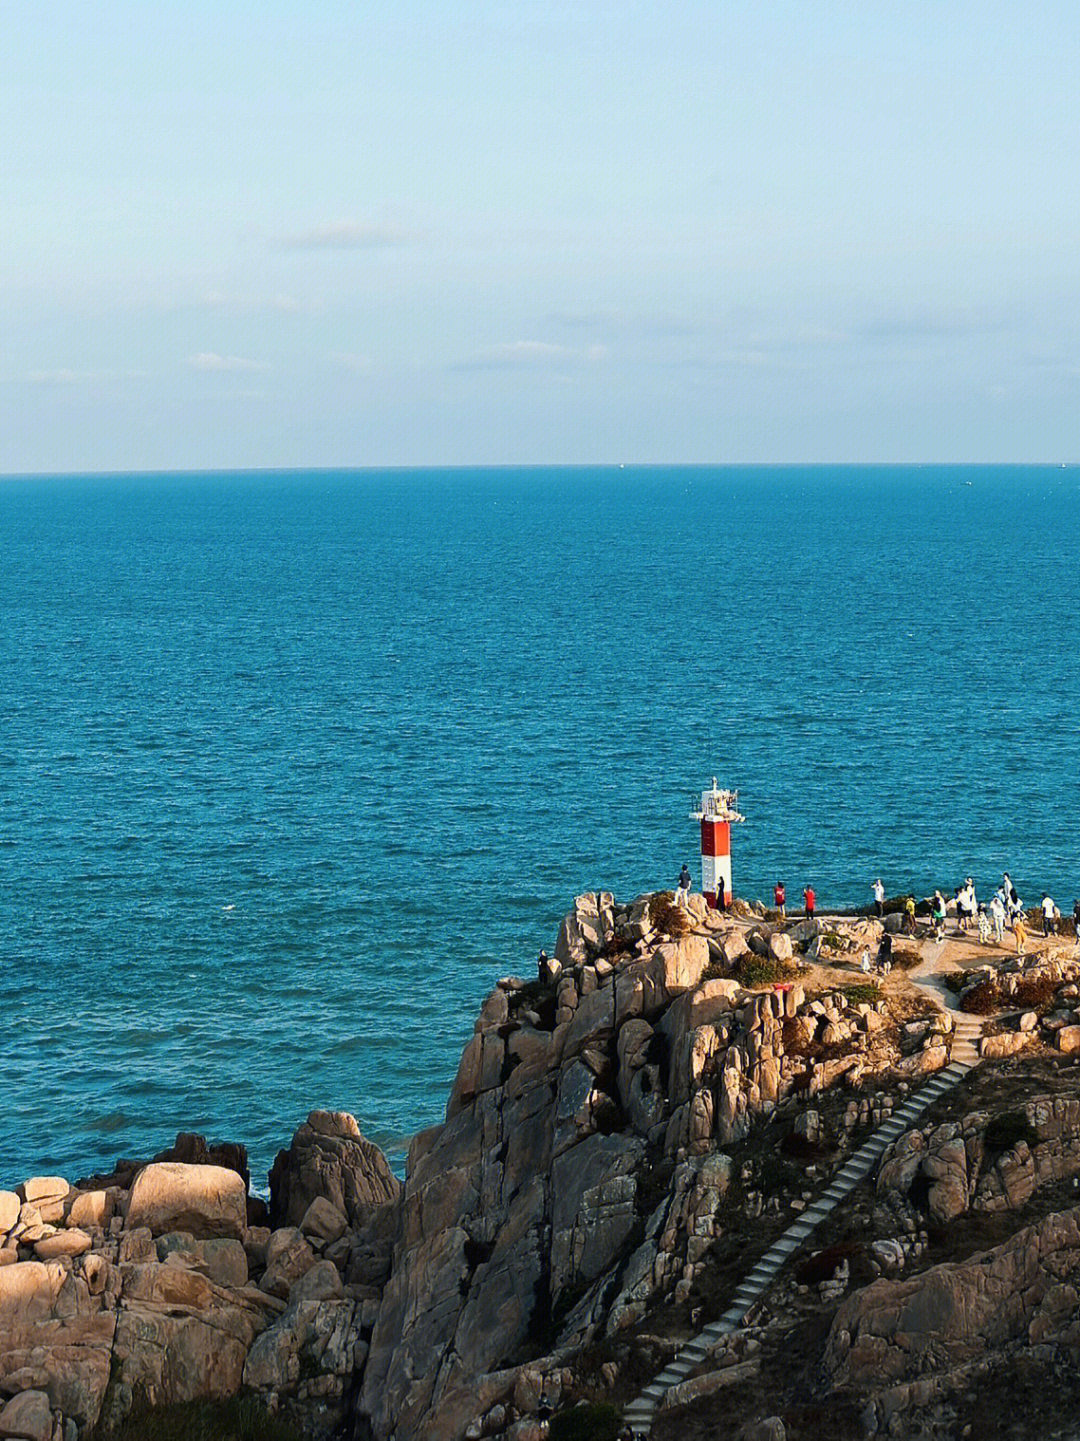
<point x="641" y="1412"/>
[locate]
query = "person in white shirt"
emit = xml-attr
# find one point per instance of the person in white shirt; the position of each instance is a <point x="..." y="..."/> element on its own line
<point x="879" y="898"/>
<point x="1049" y="911"/>
<point x="984" y="926"/>
<point x="997" y="915"/>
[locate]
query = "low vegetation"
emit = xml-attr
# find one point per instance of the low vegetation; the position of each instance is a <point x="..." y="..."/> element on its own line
<point x="751" y="970"/>
<point x="862" y="992"/>
<point x="1008" y="1130"/>
<point x="666" y="916"/>
<point x="240" y="1418"/>
<point x="595" y="1422"/>
<point x="1035" y="993"/>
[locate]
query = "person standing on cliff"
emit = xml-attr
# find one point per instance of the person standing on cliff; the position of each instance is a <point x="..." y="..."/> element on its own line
<point x="909" y="914"/>
<point x="937" y="914"/>
<point x="1049" y="911"/>
<point x="809" y="901"/>
<point x="1020" y="932"/>
<point x="682" y="890"/>
<point x="997" y="915"/>
<point x="780" y="899"/>
<point x="1012" y="899"/>
<point x="879" y="899"/>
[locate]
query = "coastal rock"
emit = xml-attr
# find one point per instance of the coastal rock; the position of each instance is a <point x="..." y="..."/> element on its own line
<point x="72" y="1242"/>
<point x="780" y="947"/>
<point x="322" y="1222"/>
<point x="204" y="1200"/>
<point x="1067" y="1040"/>
<point x="288" y="1257"/>
<point x="1008" y="1043"/>
<point x="179" y="1337"/>
<point x="311" y="1354"/>
<point x="40" y="1189"/>
<point x="28" y="1416"/>
<point x="56" y="1335"/>
<point x="677" y="966"/>
<point x="189" y="1149"/>
<point x="893" y="1331"/>
<point x="9" y="1210"/>
<point x="220" y="1260"/>
<point x="594" y="1186"/>
<point x="89" y="1208"/>
<point x="329" y="1158"/>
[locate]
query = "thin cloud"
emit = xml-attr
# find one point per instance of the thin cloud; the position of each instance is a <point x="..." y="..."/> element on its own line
<point x="347" y="235"/>
<point x="932" y="325"/>
<point x="209" y="360"/>
<point x="62" y="376"/>
<point x="530" y="354"/>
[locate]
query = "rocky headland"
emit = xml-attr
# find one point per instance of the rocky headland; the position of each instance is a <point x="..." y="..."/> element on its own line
<point x="704" y="1177"/>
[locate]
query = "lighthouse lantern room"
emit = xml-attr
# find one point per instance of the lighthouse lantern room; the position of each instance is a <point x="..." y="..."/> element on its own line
<point x="719" y="810"/>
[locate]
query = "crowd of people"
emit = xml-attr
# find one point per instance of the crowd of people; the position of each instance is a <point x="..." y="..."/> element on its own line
<point x="990" y="918"/>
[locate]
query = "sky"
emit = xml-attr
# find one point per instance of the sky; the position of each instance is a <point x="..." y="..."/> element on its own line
<point x="511" y="233"/>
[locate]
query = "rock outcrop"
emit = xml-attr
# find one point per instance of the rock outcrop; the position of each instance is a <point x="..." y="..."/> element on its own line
<point x="903" y="1340"/>
<point x="330" y="1160"/>
<point x="117" y="1299"/>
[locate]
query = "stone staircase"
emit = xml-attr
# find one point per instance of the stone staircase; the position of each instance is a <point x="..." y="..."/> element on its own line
<point x="640" y="1413"/>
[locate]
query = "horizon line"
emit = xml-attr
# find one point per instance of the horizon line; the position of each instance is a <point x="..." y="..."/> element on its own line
<point x="153" y="471"/>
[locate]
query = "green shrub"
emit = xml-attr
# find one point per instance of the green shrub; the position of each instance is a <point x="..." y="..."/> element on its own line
<point x="862" y="991"/>
<point x="240" y="1418"/>
<point x="595" y="1422"/>
<point x="754" y="970"/>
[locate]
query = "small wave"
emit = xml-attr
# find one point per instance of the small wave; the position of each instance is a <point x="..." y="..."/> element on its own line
<point x="350" y="1046"/>
<point x="114" y="1121"/>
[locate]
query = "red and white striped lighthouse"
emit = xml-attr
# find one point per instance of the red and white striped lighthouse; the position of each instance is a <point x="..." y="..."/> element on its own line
<point x="719" y="810"/>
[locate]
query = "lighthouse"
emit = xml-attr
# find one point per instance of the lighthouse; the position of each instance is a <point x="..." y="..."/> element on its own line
<point x="719" y="810"/>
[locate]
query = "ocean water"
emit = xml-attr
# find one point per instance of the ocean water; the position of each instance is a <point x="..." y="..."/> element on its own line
<point x="294" y="766"/>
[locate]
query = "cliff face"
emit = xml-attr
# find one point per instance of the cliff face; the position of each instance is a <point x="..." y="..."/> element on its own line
<point x="578" y="1177"/>
<point x="624" y="1137"/>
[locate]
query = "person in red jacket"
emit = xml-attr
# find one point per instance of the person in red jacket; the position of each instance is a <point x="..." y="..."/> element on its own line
<point x="780" y="898"/>
<point x="809" y="900"/>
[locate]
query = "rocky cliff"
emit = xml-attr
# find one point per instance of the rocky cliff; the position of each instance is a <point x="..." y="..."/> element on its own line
<point x="624" y="1136"/>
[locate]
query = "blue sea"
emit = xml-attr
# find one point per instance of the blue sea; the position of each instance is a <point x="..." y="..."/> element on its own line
<point x="293" y="766"/>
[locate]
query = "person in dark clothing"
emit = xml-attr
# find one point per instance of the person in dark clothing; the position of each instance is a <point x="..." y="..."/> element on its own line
<point x="682" y="890"/>
<point x="884" y="955"/>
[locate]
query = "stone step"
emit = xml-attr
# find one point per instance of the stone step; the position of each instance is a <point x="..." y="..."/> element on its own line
<point x="694" y="1351"/>
<point x="966" y="1034"/>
